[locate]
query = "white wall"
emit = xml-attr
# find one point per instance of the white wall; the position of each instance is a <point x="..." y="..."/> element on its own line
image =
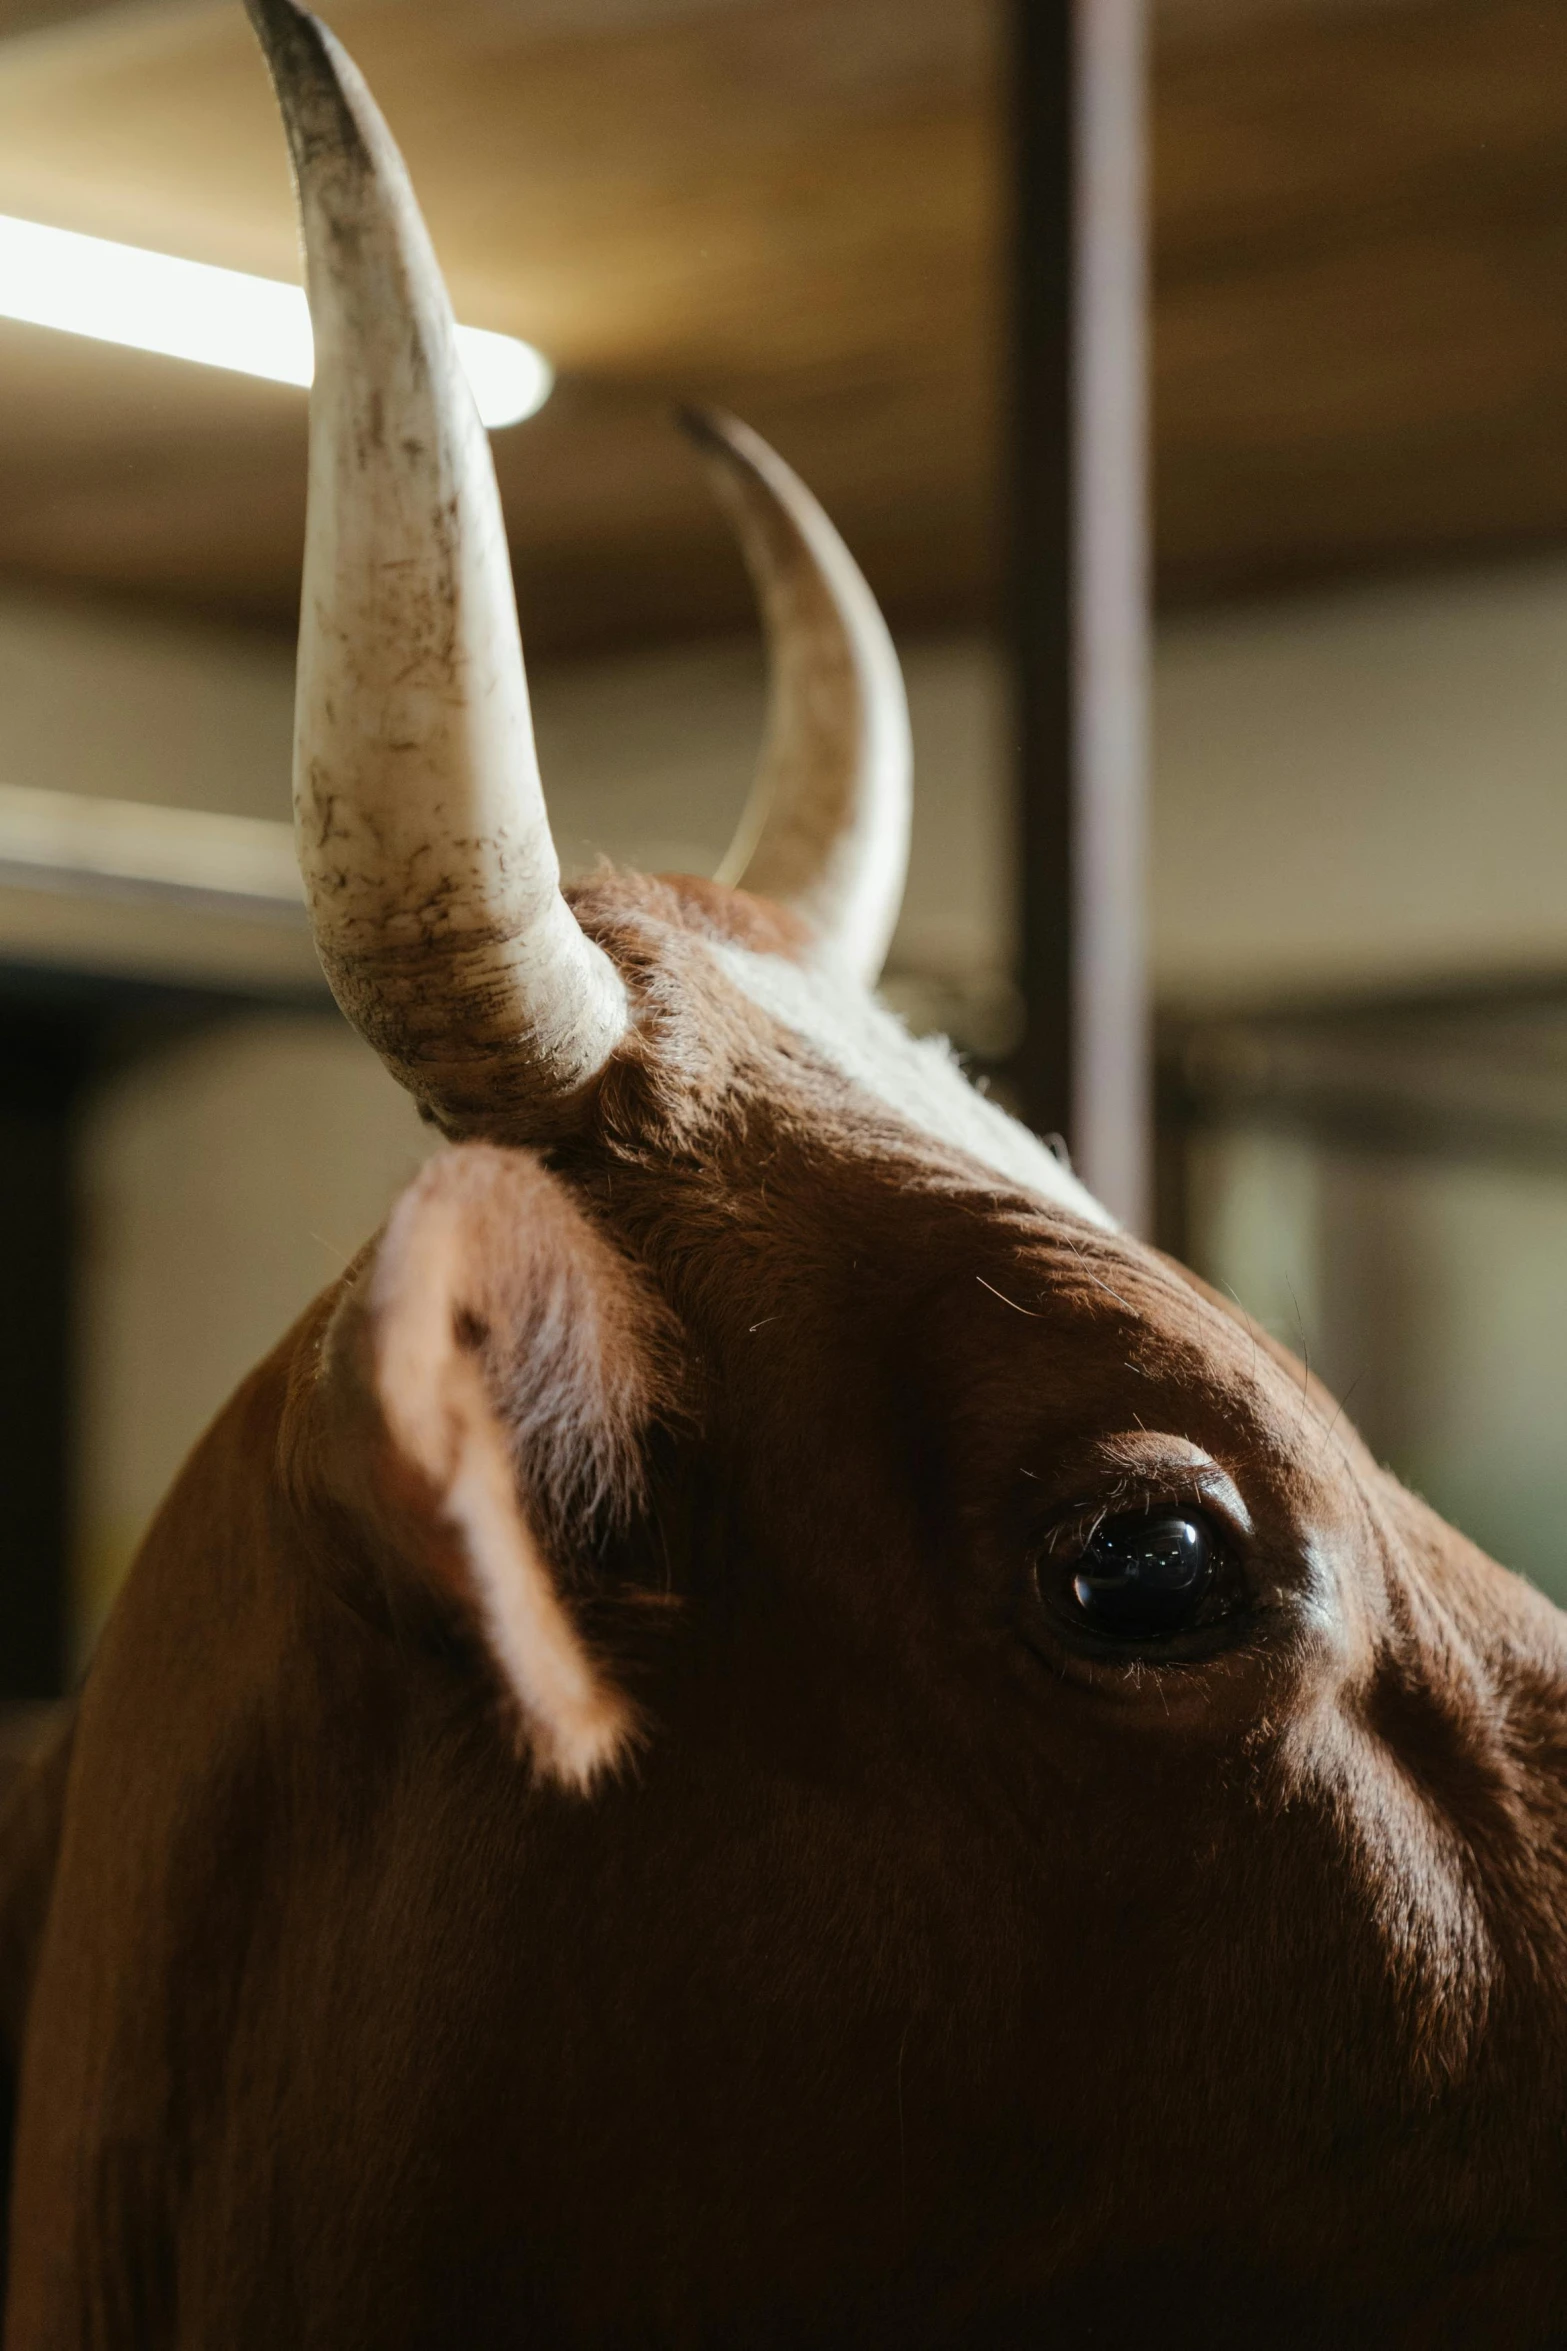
<point x="139" y="705"/>
<point x="226" y="1182"/>
<point x="1364" y="788"/>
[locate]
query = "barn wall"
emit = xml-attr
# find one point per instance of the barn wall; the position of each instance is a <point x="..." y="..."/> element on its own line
<point x="224" y="1183"/>
<point x="1366" y="788"/>
<point x="141" y="705"/>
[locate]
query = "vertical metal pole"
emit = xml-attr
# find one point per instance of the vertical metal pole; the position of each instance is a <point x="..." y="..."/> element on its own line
<point x="1079" y="604"/>
<point x="42" y="1063"/>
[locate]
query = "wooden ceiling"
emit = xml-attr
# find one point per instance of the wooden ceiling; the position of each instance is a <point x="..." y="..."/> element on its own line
<point x="796" y="207"/>
<point x="1361" y="318"/>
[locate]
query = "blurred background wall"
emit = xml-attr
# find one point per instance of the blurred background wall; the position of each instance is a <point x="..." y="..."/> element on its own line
<point x="1358" y="870"/>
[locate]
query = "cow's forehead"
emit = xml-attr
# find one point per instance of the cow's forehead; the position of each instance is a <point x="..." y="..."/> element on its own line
<point x="1032" y="1248"/>
<point x="917" y="1079"/>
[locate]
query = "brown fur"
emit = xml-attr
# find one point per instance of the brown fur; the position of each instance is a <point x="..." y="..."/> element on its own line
<point x="915" y="1981"/>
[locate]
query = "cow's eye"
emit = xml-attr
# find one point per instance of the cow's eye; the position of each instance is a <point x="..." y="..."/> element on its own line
<point x="1145" y="1575"/>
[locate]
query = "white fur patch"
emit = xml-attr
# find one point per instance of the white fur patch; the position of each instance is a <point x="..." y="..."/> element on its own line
<point x="917" y="1077"/>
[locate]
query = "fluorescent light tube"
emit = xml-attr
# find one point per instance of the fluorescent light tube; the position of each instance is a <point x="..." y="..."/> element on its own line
<point x="219" y="317"/>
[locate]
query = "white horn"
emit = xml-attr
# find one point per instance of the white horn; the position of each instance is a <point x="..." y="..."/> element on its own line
<point x="826" y="830"/>
<point x="432" y="877"/>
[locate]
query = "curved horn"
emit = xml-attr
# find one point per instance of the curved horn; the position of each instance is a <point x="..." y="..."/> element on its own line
<point x="826" y="830"/>
<point x="433" y="882"/>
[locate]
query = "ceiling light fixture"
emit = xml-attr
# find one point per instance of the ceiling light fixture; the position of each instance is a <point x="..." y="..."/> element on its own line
<point x="218" y="317"/>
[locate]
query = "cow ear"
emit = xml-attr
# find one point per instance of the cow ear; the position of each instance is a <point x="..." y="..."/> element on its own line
<point x="512" y="1361"/>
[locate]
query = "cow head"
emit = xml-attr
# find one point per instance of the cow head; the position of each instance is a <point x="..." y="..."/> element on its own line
<point x="762" y="1729"/>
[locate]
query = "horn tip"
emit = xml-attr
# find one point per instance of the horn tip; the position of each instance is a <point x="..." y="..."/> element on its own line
<point x="274" y="21"/>
<point x="308" y="70"/>
<point x="715" y="432"/>
<point x="738" y="460"/>
<point x="704" y="426"/>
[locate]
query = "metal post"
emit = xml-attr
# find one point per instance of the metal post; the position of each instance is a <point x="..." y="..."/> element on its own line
<point x="42" y="1064"/>
<point x="1078" y="517"/>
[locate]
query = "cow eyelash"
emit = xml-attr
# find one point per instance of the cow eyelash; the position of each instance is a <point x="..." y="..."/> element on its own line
<point x="1073" y="1527"/>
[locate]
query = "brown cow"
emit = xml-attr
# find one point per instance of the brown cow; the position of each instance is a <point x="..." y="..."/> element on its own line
<point x="760" y="1731"/>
